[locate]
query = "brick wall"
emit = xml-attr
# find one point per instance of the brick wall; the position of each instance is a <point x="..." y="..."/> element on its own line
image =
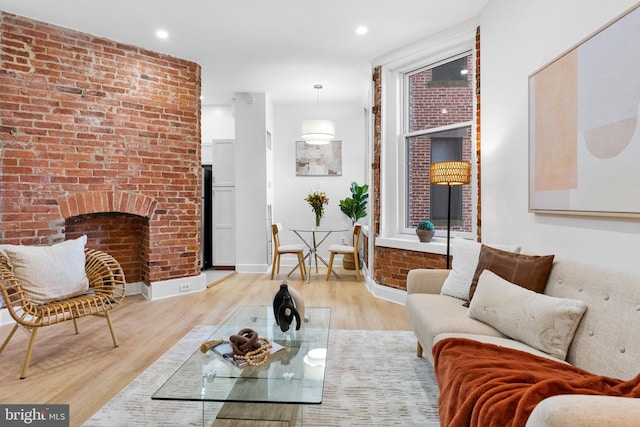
<point x="376" y="110"/>
<point x="427" y="101"/>
<point x="392" y="265"/>
<point x="89" y="126"/>
<point x="478" y="136"/>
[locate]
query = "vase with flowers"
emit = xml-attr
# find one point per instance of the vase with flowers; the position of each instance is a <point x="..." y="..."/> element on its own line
<point x="317" y="200"/>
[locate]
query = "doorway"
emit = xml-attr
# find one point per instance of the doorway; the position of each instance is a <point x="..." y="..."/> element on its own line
<point x="206" y="241"/>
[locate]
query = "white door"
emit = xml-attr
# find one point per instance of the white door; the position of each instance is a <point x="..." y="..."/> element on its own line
<point x="224" y="202"/>
<point x="224" y="233"/>
<point x="224" y="172"/>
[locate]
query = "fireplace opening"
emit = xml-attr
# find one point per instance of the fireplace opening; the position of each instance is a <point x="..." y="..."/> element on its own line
<point x="121" y="235"/>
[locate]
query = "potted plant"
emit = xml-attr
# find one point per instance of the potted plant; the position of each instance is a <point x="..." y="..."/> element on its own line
<point x="425" y="231"/>
<point x="355" y="207"/>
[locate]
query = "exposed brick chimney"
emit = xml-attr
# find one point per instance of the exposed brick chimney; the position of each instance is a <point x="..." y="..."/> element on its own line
<point x="89" y="126"/>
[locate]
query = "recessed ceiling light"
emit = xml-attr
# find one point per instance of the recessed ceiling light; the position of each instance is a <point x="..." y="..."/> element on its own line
<point x="162" y="34"/>
<point x="362" y="30"/>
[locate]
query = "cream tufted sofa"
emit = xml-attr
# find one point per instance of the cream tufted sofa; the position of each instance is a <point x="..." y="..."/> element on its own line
<point x="607" y="341"/>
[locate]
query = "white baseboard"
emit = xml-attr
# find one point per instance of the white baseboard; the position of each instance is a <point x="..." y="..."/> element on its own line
<point x="384" y="292"/>
<point x="174" y="287"/>
<point x="134" y="288"/>
<point x="254" y="268"/>
<point x="5" y="317"/>
<point x="157" y="290"/>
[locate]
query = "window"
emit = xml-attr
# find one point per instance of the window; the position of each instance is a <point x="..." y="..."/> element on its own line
<point x="438" y="108"/>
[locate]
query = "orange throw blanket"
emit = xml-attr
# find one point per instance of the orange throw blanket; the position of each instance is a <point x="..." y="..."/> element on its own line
<point x="487" y="385"/>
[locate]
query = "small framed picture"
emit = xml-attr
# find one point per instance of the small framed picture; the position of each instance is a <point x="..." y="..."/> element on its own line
<point x="319" y="160"/>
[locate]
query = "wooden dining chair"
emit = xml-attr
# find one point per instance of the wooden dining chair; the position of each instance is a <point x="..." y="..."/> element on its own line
<point x="279" y="249"/>
<point x="346" y="249"/>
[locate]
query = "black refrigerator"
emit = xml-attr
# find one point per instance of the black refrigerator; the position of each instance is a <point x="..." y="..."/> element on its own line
<point x="206" y="241"/>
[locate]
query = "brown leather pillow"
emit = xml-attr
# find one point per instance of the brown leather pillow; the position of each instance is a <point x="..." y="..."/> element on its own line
<point x="529" y="271"/>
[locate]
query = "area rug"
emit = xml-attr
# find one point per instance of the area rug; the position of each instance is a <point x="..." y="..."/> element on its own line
<point x="373" y="378"/>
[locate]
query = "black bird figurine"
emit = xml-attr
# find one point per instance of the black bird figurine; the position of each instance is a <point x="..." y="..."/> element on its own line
<point x="284" y="309"/>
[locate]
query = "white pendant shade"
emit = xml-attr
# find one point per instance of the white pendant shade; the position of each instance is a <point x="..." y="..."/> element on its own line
<point x="317" y="142"/>
<point x="318" y="131"/>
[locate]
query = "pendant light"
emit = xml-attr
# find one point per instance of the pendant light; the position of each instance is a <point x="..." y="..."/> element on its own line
<point x="317" y="131"/>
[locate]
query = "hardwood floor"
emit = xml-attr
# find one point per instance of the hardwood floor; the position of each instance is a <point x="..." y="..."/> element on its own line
<point x="85" y="371"/>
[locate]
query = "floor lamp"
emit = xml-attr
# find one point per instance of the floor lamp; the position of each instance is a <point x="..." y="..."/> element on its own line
<point x="450" y="174"/>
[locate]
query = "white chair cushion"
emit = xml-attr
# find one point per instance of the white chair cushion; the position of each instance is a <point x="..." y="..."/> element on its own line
<point x="291" y="248"/>
<point x="341" y="249"/>
<point x="49" y="273"/>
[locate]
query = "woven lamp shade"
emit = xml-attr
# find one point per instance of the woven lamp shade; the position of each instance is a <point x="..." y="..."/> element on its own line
<point x="451" y="173"/>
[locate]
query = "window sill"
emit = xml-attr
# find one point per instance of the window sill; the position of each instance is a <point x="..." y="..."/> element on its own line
<point x="437" y="245"/>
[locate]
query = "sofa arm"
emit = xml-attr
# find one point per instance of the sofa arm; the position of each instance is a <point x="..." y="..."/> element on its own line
<point x="426" y="281"/>
<point x="585" y="410"/>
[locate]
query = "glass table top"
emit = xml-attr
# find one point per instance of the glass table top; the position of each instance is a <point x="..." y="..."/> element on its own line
<point x="293" y="376"/>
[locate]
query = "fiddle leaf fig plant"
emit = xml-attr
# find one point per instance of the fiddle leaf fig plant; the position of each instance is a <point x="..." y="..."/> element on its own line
<point x="355" y="207"/>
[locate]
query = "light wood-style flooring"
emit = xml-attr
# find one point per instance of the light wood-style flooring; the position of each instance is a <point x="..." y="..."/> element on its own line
<point x="86" y="371"/>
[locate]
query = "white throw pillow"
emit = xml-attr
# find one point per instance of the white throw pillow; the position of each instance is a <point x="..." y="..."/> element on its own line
<point x="49" y="273"/>
<point x="465" y="254"/>
<point x="544" y="322"/>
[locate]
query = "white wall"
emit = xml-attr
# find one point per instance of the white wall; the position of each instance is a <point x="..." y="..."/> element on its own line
<point x="217" y="122"/>
<point x="517" y="38"/>
<point x="289" y="190"/>
<point x="251" y="176"/>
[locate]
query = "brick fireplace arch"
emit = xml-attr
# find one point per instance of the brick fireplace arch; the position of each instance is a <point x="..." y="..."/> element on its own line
<point x="91" y="202"/>
<point x="113" y="221"/>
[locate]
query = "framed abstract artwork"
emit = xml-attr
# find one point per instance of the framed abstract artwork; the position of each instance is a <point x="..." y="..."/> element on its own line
<point x="319" y="160"/>
<point x="584" y="126"/>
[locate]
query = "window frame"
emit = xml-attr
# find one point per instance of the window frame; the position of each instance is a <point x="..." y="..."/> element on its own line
<point x="403" y="165"/>
<point x="438" y="49"/>
<point x="403" y="168"/>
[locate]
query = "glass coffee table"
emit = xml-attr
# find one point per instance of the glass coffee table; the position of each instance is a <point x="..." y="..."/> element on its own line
<point x="264" y="395"/>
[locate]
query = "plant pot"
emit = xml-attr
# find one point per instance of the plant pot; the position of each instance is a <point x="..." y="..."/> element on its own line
<point x="348" y="262"/>
<point x="425" y="235"/>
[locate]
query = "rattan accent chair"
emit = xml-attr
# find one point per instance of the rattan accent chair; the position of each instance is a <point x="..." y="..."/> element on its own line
<point x="106" y="290"/>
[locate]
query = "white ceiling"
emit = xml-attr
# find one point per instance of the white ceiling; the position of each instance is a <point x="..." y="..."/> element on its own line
<point x="281" y="47"/>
